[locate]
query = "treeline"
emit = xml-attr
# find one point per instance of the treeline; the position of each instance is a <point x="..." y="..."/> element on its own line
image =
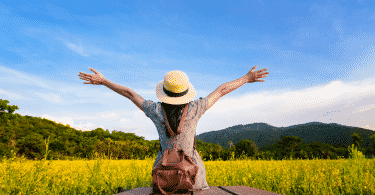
<point x="286" y="148"/>
<point x="35" y="138"/>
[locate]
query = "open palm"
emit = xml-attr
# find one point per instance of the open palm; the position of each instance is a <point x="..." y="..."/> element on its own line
<point x="253" y="76"/>
<point x="95" y="79"/>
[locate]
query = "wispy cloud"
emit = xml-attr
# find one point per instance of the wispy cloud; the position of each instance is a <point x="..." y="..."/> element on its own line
<point x="79" y="49"/>
<point x="17" y="77"/>
<point x="290" y="100"/>
<point x="49" y="97"/>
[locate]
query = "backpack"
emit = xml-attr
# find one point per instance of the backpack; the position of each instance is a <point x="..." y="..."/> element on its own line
<point x="177" y="172"/>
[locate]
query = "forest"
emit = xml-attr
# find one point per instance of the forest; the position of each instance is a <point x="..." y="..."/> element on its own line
<point x="35" y="138"/>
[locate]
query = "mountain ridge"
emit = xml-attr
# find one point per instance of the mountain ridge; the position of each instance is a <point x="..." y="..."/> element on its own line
<point x="265" y="135"/>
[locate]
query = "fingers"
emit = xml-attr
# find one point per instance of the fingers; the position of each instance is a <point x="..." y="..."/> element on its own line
<point x="93" y="70"/>
<point x="86" y="79"/>
<point x="260" y="71"/>
<point x="264" y="69"/>
<point x="84" y="75"/>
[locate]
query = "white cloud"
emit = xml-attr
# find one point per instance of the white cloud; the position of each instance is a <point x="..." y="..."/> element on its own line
<point x="112" y="115"/>
<point x="17" y="77"/>
<point x="49" y="97"/>
<point x="125" y="120"/>
<point x="287" y="107"/>
<point x="321" y="95"/>
<point x="88" y="50"/>
<point x="364" y="108"/>
<point x="62" y="120"/>
<point x="69" y="121"/>
<point x="77" y="49"/>
<point x="10" y="95"/>
<point x="85" y="127"/>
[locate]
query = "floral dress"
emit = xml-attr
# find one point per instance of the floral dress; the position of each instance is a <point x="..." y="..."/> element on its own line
<point x="184" y="140"/>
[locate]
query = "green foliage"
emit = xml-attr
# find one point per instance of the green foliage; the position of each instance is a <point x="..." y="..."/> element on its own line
<point x="357" y="140"/>
<point x="4" y="106"/>
<point x="247" y="147"/>
<point x="58" y="145"/>
<point x="37" y="138"/>
<point x="31" y="145"/>
<point x="354" y="153"/>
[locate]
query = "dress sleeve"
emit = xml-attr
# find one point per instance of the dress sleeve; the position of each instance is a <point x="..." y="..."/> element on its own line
<point x="201" y="106"/>
<point x="148" y="107"/>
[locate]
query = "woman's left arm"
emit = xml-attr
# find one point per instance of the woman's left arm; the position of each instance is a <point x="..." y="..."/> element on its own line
<point x="98" y="79"/>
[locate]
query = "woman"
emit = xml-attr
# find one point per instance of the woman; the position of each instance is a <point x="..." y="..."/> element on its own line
<point x="175" y="92"/>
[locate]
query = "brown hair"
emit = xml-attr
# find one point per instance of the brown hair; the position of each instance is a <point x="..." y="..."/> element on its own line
<point x="174" y="114"/>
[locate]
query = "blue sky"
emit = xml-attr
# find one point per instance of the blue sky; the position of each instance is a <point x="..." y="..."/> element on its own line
<point x="320" y="55"/>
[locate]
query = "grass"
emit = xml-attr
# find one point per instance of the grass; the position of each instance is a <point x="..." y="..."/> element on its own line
<point x="104" y="176"/>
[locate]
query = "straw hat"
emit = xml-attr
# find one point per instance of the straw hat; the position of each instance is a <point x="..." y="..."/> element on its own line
<point x="175" y="88"/>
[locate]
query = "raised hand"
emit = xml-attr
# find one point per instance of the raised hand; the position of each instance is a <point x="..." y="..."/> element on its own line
<point x="254" y="76"/>
<point x="95" y="79"/>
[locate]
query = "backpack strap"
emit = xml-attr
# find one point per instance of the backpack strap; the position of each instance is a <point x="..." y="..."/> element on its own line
<point x="179" y="128"/>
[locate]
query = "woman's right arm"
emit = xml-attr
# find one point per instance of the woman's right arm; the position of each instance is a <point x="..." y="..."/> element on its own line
<point x="233" y="85"/>
<point x="250" y="77"/>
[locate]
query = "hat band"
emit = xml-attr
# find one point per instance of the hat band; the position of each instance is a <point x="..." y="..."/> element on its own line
<point x="171" y="94"/>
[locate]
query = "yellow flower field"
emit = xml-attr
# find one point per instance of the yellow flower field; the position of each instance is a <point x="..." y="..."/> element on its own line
<point x="104" y="176"/>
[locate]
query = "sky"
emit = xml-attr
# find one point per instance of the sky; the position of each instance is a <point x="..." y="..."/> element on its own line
<point x="319" y="54"/>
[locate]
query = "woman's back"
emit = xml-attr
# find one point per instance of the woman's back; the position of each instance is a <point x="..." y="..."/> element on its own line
<point x="185" y="140"/>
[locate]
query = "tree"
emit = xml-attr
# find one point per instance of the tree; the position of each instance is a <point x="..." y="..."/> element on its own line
<point x="32" y="146"/>
<point x="87" y="146"/>
<point x="246" y="146"/>
<point x="58" y="146"/>
<point x="216" y="151"/>
<point x="100" y="133"/>
<point x="371" y="149"/>
<point x="316" y="149"/>
<point x="287" y="144"/>
<point x="357" y="140"/>
<point x="4" y="106"/>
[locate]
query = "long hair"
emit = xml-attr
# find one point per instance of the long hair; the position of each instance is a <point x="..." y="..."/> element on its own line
<point x="174" y="114"/>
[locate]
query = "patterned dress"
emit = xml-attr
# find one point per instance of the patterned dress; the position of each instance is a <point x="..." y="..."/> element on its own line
<point x="183" y="141"/>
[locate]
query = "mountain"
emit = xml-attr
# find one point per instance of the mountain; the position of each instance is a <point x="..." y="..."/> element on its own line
<point x="265" y="135"/>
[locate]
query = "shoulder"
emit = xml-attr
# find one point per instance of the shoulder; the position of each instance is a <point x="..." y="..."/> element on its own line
<point x="198" y="106"/>
<point x="150" y="107"/>
<point x="199" y="102"/>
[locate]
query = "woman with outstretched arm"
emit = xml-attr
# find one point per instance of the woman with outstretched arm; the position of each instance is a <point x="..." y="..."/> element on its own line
<point x="176" y="118"/>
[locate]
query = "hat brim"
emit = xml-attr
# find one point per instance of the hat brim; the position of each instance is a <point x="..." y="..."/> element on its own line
<point x="174" y="100"/>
